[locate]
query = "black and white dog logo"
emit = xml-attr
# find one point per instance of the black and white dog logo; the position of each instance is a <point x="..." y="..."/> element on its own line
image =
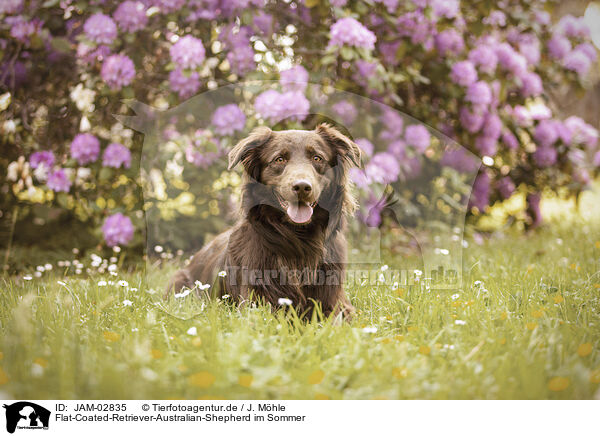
<point x="26" y="415"/>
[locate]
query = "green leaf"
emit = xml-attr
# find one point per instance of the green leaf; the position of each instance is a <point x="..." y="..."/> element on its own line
<point x="61" y="45"/>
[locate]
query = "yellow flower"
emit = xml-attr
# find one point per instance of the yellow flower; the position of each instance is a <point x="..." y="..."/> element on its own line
<point x="424" y="349"/>
<point x="531" y="325"/>
<point x="597" y="285"/>
<point x="469" y="303"/>
<point x="584" y="349"/>
<point x="3" y="377"/>
<point x="399" y="338"/>
<point x="456" y="303"/>
<point x="597" y="244"/>
<point x="41" y="361"/>
<point x="537" y="313"/>
<point x="156" y="354"/>
<point x="316" y="377"/>
<point x="400" y="373"/>
<point x="595" y="376"/>
<point x="182" y="368"/>
<point x="558" y="384"/>
<point x="245" y="380"/>
<point x="559" y="299"/>
<point x="502" y="341"/>
<point x="111" y="336"/>
<point x="196" y="342"/>
<point x="412" y="328"/>
<point x="321" y="397"/>
<point x="530" y="269"/>
<point x="389" y="317"/>
<point x="400" y="292"/>
<point x="202" y="379"/>
<point x="503" y="315"/>
<point x="386" y="340"/>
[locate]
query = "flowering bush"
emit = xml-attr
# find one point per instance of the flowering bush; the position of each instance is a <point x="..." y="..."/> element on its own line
<point x="477" y="72"/>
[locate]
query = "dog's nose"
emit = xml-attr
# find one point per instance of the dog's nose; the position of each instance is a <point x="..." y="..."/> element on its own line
<point x="302" y="186"/>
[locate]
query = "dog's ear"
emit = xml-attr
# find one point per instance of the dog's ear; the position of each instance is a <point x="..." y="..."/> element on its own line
<point x="344" y="146"/>
<point x="243" y="149"/>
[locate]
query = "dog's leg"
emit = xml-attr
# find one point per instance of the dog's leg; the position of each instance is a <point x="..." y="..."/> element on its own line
<point x="181" y="279"/>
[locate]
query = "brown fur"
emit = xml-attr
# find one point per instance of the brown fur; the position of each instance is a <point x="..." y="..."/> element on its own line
<point x="266" y="240"/>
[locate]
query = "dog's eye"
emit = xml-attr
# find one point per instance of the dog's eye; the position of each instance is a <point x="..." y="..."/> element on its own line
<point x="279" y="159"/>
<point x="317" y="158"/>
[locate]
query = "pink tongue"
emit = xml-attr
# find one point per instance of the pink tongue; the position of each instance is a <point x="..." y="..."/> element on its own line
<point x="299" y="213"/>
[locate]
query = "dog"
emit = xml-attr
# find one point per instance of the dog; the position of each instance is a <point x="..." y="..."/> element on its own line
<point x="288" y="247"/>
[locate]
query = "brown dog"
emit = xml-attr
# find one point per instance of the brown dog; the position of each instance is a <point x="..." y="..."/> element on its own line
<point x="289" y="243"/>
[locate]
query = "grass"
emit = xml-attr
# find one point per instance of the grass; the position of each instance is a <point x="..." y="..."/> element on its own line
<point x="529" y="331"/>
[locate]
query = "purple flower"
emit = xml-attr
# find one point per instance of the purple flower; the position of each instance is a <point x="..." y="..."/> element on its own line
<point x="116" y="155"/>
<point x="449" y="41"/>
<point x="383" y="168"/>
<point x="445" y="8"/>
<point x="460" y="160"/>
<point x="558" y="46"/>
<point x="349" y="32"/>
<point x="577" y="61"/>
<point x="582" y="133"/>
<point x="38" y="158"/>
<point x="492" y="126"/>
<point x="274" y="106"/>
<point x="263" y="22"/>
<point x="131" y="16"/>
<point x="510" y="59"/>
<point x="394" y="125"/>
<point x="398" y="149"/>
<point x="479" y="93"/>
<point x="480" y="195"/>
<point x="58" y="181"/>
<point x="589" y="50"/>
<point x="486" y="145"/>
<point x="496" y="18"/>
<point x="117" y="230"/>
<point x="365" y="69"/>
<point x="418" y="137"/>
<point x="597" y="159"/>
<point x="294" y="79"/>
<point x="228" y="119"/>
<point x="505" y="187"/>
<point x="8" y="7"/>
<point x="531" y="85"/>
<point x="85" y="148"/>
<point x="101" y="29"/>
<point x="472" y="121"/>
<point x="374" y="207"/>
<point x="545" y="156"/>
<point x="338" y="3"/>
<point x="168" y="6"/>
<point x="542" y="17"/>
<point x="510" y="140"/>
<point x="346" y="111"/>
<point x="573" y="27"/>
<point x="365" y="145"/>
<point x="546" y="133"/>
<point x="463" y="73"/>
<point x="529" y="47"/>
<point x="484" y="57"/>
<point x="241" y="59"/>
<point x="183" y="83"/>
<point x="359" y="178"/>
<point x="188" y="52"/>
<point x="117" y="71"/>
<point x="522" y="116"/>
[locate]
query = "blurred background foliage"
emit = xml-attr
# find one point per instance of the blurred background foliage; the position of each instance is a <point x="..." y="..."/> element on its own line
<point x="514" y="82"/>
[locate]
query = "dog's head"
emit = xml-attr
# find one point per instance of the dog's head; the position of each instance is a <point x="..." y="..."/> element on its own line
<point x="298" y="169"/>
